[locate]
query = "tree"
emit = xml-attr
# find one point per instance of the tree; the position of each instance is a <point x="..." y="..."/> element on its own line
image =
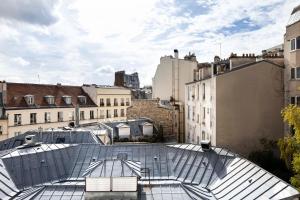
<point x="290" y="145"/>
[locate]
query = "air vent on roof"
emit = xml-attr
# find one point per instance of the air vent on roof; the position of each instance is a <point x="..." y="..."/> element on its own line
<point x="205" y="145"/>
<point x="29" y="142"/>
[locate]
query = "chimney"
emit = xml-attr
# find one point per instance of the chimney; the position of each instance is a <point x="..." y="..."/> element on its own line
<point x="176" y="53"/>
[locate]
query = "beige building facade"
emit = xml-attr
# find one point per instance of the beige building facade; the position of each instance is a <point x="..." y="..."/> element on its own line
<point x="25" y="107"/>
<point x="112" y="101"/>
<point x="292" y="58"/>
<point x="171" y="76"/>
<point x="234" y="106"/>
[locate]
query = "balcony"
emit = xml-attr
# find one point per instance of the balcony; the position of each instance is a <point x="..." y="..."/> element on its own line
<point x="108" y="104"/>
<point x="122" y="104"/>
<point x="101" y="104"/>
<point x="127" y="104"/>
<point x="116" y="104"/>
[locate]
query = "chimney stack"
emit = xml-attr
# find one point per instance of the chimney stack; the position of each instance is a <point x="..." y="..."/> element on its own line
<point x="176" y="53"/>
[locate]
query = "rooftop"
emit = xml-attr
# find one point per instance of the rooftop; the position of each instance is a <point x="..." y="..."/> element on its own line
<point x="17" y="91"/>
<point x="295" y="16"/>
<point x="182" y="171"/>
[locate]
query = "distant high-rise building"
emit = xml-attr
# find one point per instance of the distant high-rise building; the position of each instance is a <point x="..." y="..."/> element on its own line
<point x="127" y="80"/>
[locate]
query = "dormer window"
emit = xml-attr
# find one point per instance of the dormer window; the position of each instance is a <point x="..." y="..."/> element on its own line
<point x="29" y="99"/>
<point x="67" y="99"/>
<point x="82" y="99"/>
<point x="50" y="99"/>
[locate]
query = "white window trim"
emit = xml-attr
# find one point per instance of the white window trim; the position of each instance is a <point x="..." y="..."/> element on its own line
<point x="296" y="48"/>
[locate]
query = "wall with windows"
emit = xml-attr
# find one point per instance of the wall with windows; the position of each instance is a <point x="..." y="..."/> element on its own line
<point x="20" y="121"/>
<point x="113" y="103"/>
<point x="200" y="111"/>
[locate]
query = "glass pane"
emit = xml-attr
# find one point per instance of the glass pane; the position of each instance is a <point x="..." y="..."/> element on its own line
<point x="298" y="72"/>
<point x="292" y="73"/>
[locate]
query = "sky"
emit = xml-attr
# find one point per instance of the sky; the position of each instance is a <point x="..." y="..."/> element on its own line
<point x="85" y="41"/>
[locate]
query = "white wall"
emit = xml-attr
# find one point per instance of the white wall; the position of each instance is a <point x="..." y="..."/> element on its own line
<point x="148" y="130"/>
<point x="124" y="132"/>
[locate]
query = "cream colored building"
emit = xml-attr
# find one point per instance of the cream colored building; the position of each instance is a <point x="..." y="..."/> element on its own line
<point x="171" y="76"/>
<point x="112" y="101"/>
<point x="236" y="102"/>
<point x="292" y="58"/>
<point x="168" y="84"/>
<point x="25" y="107"/>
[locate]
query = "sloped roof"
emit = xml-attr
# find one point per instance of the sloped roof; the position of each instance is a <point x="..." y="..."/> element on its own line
<point x="51" y="137"/>
<point x="295" y="16"/>
<point x="17" y="91"/>
<point x="181" y="171"/>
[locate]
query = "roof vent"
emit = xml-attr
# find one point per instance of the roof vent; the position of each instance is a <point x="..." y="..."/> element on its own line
<point x="29" y="142"/>
<point x="205" y="145"/>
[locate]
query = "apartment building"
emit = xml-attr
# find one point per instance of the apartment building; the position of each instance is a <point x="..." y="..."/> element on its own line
<point x="112" y="101"/>
<point x="26" y="107"/>
<point x="171" y="75"/>
<point x="292" y="58"/>
<point x="235" y="102"/>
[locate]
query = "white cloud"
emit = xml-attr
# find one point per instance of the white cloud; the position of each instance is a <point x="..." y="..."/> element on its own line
<point x="87" y="40"/>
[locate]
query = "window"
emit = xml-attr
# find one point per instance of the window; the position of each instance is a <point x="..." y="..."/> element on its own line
<point x="127" y="102"/>
<point x="203" y="86"/>
<point x="81" y="117"/>
<point x="293" y="100"/>
<point x="50" y="99"/>
<point x="60" y="117"/>
<point x="293" y="44"/>
<point x="108" y="102"/>
<point x="298" y="101"/>
<point x="102" y="115"/>
<point x="203" y="113"/>
<point x="67" y="99"/>
<point x="115" y="113"/>
<point x="32" y="118"/>
<point x="18" y="119"/>
<point x="115" y="102"/>
<point x="108" y="114"/>
<point x="1" y="131"/>
<point x="47" y="117"/>
<point x="122" y="113"/>
<point x="101" y="102"/>
<point x="188" y="114"/>
<point x="203" y="135"/>
<point x="298" y="72"/>
<point x="197" y="118"/>
<point x="92" y="114"/>
<point x="292" y="73"/>
<point x="82" y="99"/>
<point x="197" y="92"/>
<point x="122" y="102"/>
<point x="193" y="113"/>
<point x="29" y="99"/>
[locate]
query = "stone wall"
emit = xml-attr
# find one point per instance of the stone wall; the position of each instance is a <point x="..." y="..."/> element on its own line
<point x="161" y="115"/>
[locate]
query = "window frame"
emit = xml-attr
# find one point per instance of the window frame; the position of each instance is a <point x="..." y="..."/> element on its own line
<point x="47" y="117"/>
<point x="60" y="116"/>
<point x="17" y="119"/>
<point x="31" y="118"/>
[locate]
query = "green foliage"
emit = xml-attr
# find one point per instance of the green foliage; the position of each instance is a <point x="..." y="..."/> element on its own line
<point x="289" y="145"/>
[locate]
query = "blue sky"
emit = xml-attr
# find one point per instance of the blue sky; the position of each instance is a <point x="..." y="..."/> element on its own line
<point x="86" y="41"/>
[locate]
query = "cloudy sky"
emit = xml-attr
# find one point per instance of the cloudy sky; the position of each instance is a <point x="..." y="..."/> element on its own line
<point x="86" y="41"/>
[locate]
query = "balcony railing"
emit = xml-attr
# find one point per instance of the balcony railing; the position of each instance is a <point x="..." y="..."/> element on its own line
<point x="127" y="104"/>
<point x="101" y="104"/>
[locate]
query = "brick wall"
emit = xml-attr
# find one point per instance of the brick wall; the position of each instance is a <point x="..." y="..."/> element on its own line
<point x="162" y="116"/>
